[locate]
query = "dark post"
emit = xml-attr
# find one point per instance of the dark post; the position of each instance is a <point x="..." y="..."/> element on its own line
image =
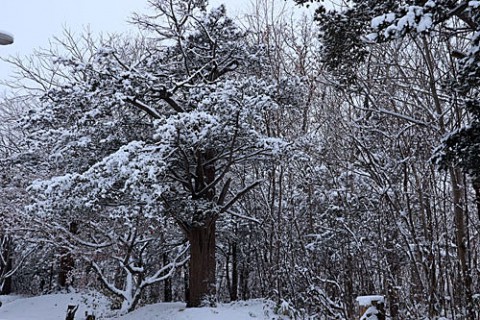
<point x="71" y="309"/>
<point x="89" y="316"/>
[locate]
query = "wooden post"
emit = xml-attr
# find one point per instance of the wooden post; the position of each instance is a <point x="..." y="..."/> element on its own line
<point x="71" y="309"/>
<point x="371" y="307"/>
<point x="89" y="316"/>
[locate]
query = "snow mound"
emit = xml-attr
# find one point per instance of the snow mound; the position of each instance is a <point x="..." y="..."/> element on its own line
<point x="244" y="310"/>
<point x="54" y="307"/>
<point x="50" y="307"/>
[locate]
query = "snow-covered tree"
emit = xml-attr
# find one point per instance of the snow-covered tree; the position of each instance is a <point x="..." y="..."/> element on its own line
<point x="144" y="133"/>
<point x="15" y="245"/>
<point x="443" y="34"/>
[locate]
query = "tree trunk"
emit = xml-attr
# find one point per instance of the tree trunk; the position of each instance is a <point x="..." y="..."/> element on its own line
<point x="7" y="282"/>
<point x="232" y="279"/>
<point x="67" y="262"/>
<point x="7" y="257"/>
<point x="186" y="284"/>
<point x="461" y="239"/>
<point x="243" y="279"/>
<point x="167" y="284"/>
<point x="234" y="285"/>
<point x="476" y="188"/>
<point x="202" y="264"/>
<point x="66" y="266"/>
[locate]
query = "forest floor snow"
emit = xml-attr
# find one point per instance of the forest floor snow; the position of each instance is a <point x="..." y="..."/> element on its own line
<point x="54" y="307"/>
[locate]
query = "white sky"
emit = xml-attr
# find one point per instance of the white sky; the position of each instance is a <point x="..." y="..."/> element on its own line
<point x="34" y="22"/>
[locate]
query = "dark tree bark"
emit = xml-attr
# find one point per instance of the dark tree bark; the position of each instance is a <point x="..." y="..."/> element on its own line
<point x="66" y="266"/>
<point x="461" y="239"/>
<point x="243" y="279"/>
<point x="234" y="284"/>
<point x="7" y="267"/>
<point x="167" y="284"/>
<point x="7" y="283"/>
<point x="201" y="235"/>
<point x="186" y="280"/>
<point x="232" y="275"/>
<point x="476" y="188"/>
<point x="67" y="261"/>
<point x="202" y="264"/>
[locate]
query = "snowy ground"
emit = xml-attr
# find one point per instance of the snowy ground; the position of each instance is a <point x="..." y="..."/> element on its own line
<point x="54" y="306"/>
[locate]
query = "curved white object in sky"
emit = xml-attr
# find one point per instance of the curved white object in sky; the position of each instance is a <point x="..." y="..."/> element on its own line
<point x="5" y="38"/>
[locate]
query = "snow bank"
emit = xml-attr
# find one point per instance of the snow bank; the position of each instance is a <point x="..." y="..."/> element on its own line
<point x="244" y="310"/>
<point x="54" y="306"/>
<point x="49" y="307"/>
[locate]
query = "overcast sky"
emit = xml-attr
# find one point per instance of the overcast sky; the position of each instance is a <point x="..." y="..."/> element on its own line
<point x="34" y="22"/>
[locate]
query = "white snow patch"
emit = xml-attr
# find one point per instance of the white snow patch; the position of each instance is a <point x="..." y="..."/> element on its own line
<point x="371" y="37"/>
<point x="384" y="18"/>
<point x="370" y="314"/>
<point x="366" y="301"/>
<point x="425" y="23"/>
<point x="54" y="307"/>
<point x="474" y="4"/>
<point x="244" y="310"/>
<point x="50" y="307"/>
